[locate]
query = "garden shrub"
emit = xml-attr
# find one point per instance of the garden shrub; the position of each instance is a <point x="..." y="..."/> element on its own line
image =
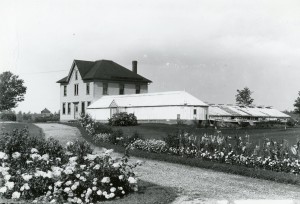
<point x="151" y="145"/>
<point x="117" y="137"/>
<point x="8" y="116"/>
<point x="79" y="148"/>
<point x="123" y="119"/>
<point x="172" y="140"/>
<point x="102" y="128"/>
<point x="101" y="132"/>
<point x="291" y="122"/>
<point x="43" y="171"/>
<point x="135" y="136"/>
<point x="43" y="119"/>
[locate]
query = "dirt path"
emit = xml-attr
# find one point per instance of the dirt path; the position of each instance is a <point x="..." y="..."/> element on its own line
<point x="194" y="185"/>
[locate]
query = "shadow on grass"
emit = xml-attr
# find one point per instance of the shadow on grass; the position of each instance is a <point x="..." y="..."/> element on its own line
<point x="148" y="193"/>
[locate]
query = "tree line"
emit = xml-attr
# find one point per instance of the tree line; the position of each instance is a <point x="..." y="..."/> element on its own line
<point x="13" y="90"/>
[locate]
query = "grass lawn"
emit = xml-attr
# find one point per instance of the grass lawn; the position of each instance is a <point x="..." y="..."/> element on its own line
<point x="33" y="129"/>
<point x="159" y="131"/>
<point x="148" y="193"/>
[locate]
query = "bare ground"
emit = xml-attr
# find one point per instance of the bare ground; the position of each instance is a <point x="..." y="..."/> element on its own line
<point x="194" y="185"/>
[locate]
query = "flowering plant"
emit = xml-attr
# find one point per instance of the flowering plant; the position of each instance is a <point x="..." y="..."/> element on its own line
<point x="72" y="174"/>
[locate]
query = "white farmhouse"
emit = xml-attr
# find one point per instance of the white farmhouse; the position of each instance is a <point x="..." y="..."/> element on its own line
<point x="88" y="81"/>
<point x="163" y="107"/>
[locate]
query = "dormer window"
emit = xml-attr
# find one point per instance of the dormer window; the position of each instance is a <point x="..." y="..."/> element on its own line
<point x="75" y="89"/>
<point x="87" y="88"/>
<point x="105" y="87"/>
<point x="121" y="91"/>
<point x="76" y="75"/>
<point x="65" y="90"/>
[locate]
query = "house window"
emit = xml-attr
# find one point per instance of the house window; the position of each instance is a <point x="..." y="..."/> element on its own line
<point x="76" y="75"/>
<point x="195" y="111"/>
<point x="69" y="108"/>
<point x="83" y="107"/>
<point x="121" y="90"/>
<point x="87" y="88"/>
<point x="89" y="103"/>
<point x="65" y="90"/>
<point x="137" y="88"/>
<point x="64" y="109"/>
<point x="75" y="89"/>
<point x="105" y="87"/>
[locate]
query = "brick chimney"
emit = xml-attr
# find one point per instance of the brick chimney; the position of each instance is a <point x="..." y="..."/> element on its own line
<point x="134" y="66"/>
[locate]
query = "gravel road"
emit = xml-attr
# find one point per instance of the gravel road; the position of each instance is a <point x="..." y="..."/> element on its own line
<point x="195" y="185"/>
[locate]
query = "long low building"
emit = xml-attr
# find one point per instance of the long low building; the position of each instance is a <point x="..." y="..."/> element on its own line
<point x="236" y="113"/>
<point x="165" y="107"/>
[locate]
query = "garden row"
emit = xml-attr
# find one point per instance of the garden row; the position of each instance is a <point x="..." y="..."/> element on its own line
<point x="205" y="150"/>
<point x="40" y="170"/>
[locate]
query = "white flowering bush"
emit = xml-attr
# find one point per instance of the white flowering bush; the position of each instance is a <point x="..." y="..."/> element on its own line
<point x="72" y="174"/>
<point x="151" y="145"/>
<point x="101" y="137"/>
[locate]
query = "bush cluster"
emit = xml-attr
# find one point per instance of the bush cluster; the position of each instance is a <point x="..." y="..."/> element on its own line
<point x="103" y="133"/>
<point x="8" y="116"/>
<point x="43" y="119"/>
<point x="123" y="119"/>
<point x="151" y="145"/>
<point x="43" y="171"/>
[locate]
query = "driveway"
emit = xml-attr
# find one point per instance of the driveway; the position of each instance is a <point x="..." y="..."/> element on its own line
<point x="196" y="185"/>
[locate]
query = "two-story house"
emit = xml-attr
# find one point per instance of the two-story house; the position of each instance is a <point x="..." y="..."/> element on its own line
<point x="88" y="81"/>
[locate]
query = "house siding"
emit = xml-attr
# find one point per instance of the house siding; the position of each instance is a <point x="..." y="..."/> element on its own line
<point x="155" y="113"/>
<point x="96" y="92"/>
<point x="71" y="98"/>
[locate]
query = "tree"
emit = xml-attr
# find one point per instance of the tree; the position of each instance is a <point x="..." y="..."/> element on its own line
<point x="297" y="104"/>
<point x="12" y="90"/>
<point x="243" y="97"/>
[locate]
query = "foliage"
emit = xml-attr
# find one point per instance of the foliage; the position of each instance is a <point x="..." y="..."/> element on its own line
<point x="50" y="118"/>
<point x="12" y="90"/>
<point x="297" y="104"/>
<point x="243" y="97"/>
<point x="79" y="148"/>
<point x="152" y="145"/>
<point x="291" y="122"/>
<point x="123" y="119"/>
<point x="102" y="128"/>
<point x="43" y="171"/>
<point x="8" y="116"/>
<point x="135" y="136"/>
<point x="101" y="132"/>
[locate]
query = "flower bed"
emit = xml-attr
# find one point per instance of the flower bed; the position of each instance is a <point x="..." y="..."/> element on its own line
<point x="103" y="133"/>
<point x="43" y="171"/>
<point x="152" y="145"/>
<point x="239" y="151"/>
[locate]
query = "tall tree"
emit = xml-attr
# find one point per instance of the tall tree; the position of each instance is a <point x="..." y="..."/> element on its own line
<point x="297" y="104"/>
<point x="243" y="97"/>
<point x="12" y="90"/>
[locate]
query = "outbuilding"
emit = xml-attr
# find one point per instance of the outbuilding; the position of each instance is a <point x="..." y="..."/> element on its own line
<point x="162" y="107"/>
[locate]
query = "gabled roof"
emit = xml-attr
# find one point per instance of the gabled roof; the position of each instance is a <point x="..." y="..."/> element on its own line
<point x="217" y="111"/>
<point x="104" y="70"/>
<point x="45" y="111"/>
<point x="173" y="98"/>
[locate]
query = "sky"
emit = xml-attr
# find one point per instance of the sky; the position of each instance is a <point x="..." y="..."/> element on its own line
<point x="207" y="48"/>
